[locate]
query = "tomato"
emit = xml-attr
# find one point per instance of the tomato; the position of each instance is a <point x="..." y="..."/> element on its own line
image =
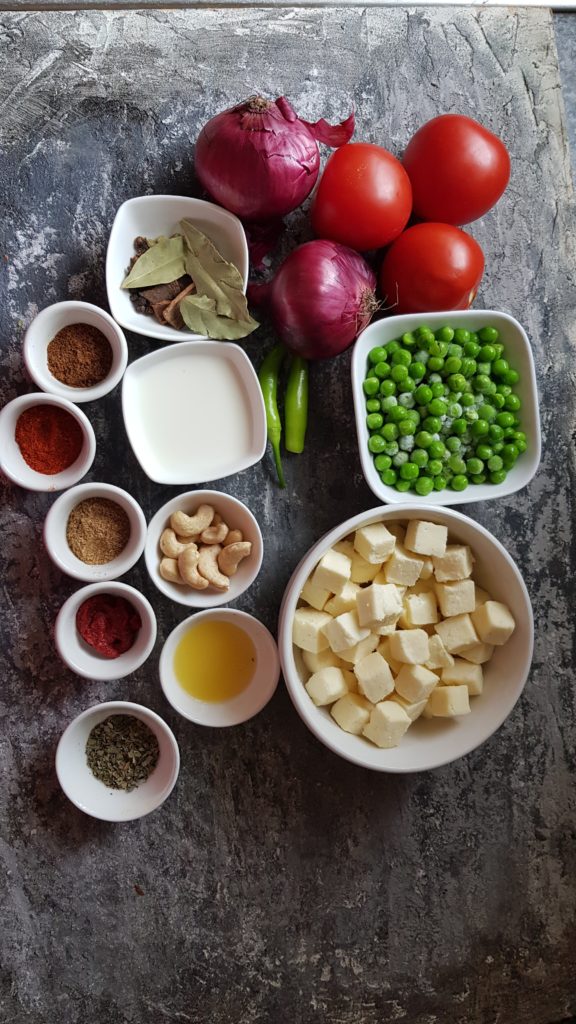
<point x="364" y="198"/>
<point x="458" y="169"/>
<point x="431" y="267"/>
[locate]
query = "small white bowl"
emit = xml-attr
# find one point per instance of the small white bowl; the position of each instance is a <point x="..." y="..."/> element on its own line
<point x="428" y="743"/>
<point x="152" y="216"/>
<point x="219" y="714"/>
<point x="12" y="462"/>
<point x="45" y="327"/>
<point x="57" y="545"/>
<point x="89" y="794"/>
<point x="83" y="659"/>
<point x="518" y="353"/>
<point x="237" y="516"/>
<point x="188" y="424"/>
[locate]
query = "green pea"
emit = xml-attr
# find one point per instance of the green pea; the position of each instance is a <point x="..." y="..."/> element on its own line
<point x="436" y="449"/>
<point x="474" y="466"/>
<point x="511" y="377"/>
<point x="371" y="386"/>
<point x="432" y="423"/>
<point x="521" y="445"/>
<point x="373" y="405"/>
<point x="471" y="415"/>
<point x="459" y="482"/>
<point x="479" y="428"/>
<point x="484" y="452"/>
<point x="424" y="335"/>
<point x="500" y="367"/>
<point x="407" y="385"/>
<point x="457" y="464"/>
<point x="471" y="349"/>
<point x="396" y="413"/>
<point x="392" y="347"/>
<point x="445" y="334"/>
<point x="423" y="486"/>
<point x="498" y="401"/>
<point x="495" y="463"/>
<point x="401" y="357"/>
<point x="439" y="390"/>
<point x="519" y="435"/>
<point x="459" y="426"/>
<point x="467" y="400"/>
<point x="390" y="402"/>
<point x="489" y="335"/>
<point x="390" y="448"/>
<point x="497" y="447"/>
<point x="376" y="444"/>
<point x="495" y="432"/>
<point x="437" y="407"/>
<point x="406" y="428"/>
<point x="456" y="382"/>
<point x="423" y="439"/>
<point x="389" y="431"/>
<point x="382" y="370"/>
<point x="510" y="453"/>
<point x="423" y="394"/>
<point x="377" y="355"/>
<point x="398" y="373"/>
<point x="443" y="349"/>
<point x="487" y="412"/>
<point x="382" y="462"/>
<point x="417" y="370"/>
<point x="498" y="477"/>
<point x="409" y="471"/>
<point x="499" y="349"/>
<point x="487" y="354"/>
<point x="420" y="457"/>
<point x="468" y="367"/>
<point x="481" y="382"/>
<point x="440" y="482"/>
<point x="505" y="419"/>
<point x="387" y="388"/>
<point x="414" y="415"/>
<point x="509" y="433"/>
<point x="408" y="340"/>
<point x="503" y="389"/>
<point x="403" y="485"/>
<point x="399" y="459"/>
<point x="374" y="421"/>
<point x="461" y="336"/>
<point x="435" y="363"/>
<point x="388" y="477"/>
<point x="512" y="402"/>
<point x="453" y="444"/>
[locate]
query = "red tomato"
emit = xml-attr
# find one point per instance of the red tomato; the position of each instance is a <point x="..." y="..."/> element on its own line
<point x="431" y="267"/>
<point x="364" y="198"/>
<point x="458" y="169"/>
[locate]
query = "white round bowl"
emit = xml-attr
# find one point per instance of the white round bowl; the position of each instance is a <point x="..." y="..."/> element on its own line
<point x="89" y="794"/>
<point x="220" y="714"/>
<point x="12" y="462"/>
<point x="57" y="545"/>
<point x="517" y="351"/>
<point x="44" y="328"/>
<point x="237" y="516"/>
<point x="83" y="659"/>
<point x="428" y="743"/>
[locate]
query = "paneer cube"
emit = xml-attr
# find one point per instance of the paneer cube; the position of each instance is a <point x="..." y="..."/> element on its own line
<point x="346" y="547"/>
<point x="455" y="564"/>
<point x="397" y="530"/>
<point x="413" y="710"/>
<point x="344" y="631"/>
<point x="352" y="712"/>
<point x="410" y="646"/>
<point x="351" y="681"/>
<point x="387" y="725"/>
<point x="307" y="629"/>
<point x="456" y="598"/>
<point x="333" y="571"/>
<point x="314" y="595"/>
<point x="363" y="571"/>
<point x="448" y="702"/>
<point x="439" y="656"/>
<point x="464" y="673"/>
<point x="426" y="538"/>
<point x="374" y="543"/>
<point x="378" y="605"/>
<point x="481" y="596"/>
<point x="493" y="622"/>
<point x="314" y="661"/>
<point x="326" y="686"/>
<point x="415" y="683"/>
<point x="420" y="609"/>
<point x="374" y="677"/>
<point x="403" y="567"/>
<point x="427" y="569"/>
<point x="478" y="653"/>
<point x="456" y="633"/>
<point x="384" y="649"/>
<point x="351" y="655"/>
<point x="345" y="601"/>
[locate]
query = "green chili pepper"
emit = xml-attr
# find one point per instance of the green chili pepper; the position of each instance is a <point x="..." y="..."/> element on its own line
<point x="296" y="405"/>
<point x="268" y="377"/>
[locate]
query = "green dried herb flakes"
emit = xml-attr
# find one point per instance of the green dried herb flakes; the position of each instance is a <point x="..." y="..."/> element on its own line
<point x="122" y="752"/>
<point x="200" y="314"/>
<point x="162" y="263"/>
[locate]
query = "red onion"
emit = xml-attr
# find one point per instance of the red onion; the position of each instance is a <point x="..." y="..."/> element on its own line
<point x="260" y="160"/>
<point x="320" y="299"/>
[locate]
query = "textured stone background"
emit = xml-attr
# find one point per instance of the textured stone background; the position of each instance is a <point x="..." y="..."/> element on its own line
<point x="280" y="882"/>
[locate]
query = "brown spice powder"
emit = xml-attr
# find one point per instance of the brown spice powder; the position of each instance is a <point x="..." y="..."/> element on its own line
<point x="98" y="530"/>
<point x="80" y="356"/>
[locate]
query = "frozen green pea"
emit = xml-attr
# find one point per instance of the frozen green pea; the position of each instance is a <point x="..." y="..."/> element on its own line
<point x="406" y="400"/>
<point x="382" y="462"/>
<point x="398" y="373"/>
<point x="401" y="357"/>
<point x="487" y="354"/>
<point x="439" y="390"/>
<point x="408" y="340"/>
<point x="390" y="448"/>
<point x="436" y="449"/>
<point x="371" y="386"/>
<point x="403" y="485"/>
<point x="435" y="363"/>
<point x="453" y="444"/>
<point x="390" y="402"/>
<point x="479" y="428"/>
<point x="474" y="466"/>
<point x="434" y="467"/>
<point x="407" y="385"/>
<point x="510" y="453"/>
<point x="471" y="349"/>
<point x="489" y="335"/>
<point x="392" y="347"/>
<point x="388" y="477"/>
<point x="374" y="421"/>
<point x="459" y="426"/>
<point x="505" y="419"/>
<point x="440" y="482"/>
<point x="511" y="377"/>
<point x="423" y="439"/>
<point x="484" y="452"/>
<point x="433" y="424"/>
<point x="459" y="482"/>
<point x="445" y="334"/>
<point x="377" y="355"/>
<point x="387" y="388"/>
<point x="417" y="370"/>
<point x="399" y="459"/>
<point x="467" y="400"/>
<point x="376" y="444"/>
<point x="456" y="382"/>
<point x="409" y="471"/>
<point x="498" y="477"/>
<point x="495" y="463"/>
<point x="423" y="485"/>
<point x="468" y="367"/>
<point x="389" y="431"/>
<point x="373" y="405"/>
<point x="437" y="407"/>
<point x="500" y="367"/>
<point x="420" y="457"/>
<point x="512" y="402"/>
<point x="382" y="370"/>
<point x="461" y="336"/>
<point x="457" y="464"/>
<point x="521" y="445"/>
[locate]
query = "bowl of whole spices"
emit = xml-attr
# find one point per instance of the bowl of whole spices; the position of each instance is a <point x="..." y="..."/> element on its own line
<point x="75" y="350"/>
<point x="117" y="761"/>
<point x="46" y="442"/>
<point x="95" y="532"/>
<point x="105" y="631"/>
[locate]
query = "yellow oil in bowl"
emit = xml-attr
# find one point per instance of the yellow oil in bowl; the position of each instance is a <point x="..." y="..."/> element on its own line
<point x="215" y="660"/>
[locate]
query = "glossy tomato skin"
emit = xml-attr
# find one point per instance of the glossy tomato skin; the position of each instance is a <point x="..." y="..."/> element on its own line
<point x="364" y="198"/>
<point x="431" y="267"/>
<point x="457" y="168"/>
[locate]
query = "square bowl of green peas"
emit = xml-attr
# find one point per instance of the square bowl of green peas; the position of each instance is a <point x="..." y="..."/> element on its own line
<point x="446" y="406"/>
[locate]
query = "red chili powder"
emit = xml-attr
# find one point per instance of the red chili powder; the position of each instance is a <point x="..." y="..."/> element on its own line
<point x="109" y="624"/>
<point x="49" y="438"/>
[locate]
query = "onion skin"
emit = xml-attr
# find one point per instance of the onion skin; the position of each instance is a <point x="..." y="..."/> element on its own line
<point x="320" y="299"/>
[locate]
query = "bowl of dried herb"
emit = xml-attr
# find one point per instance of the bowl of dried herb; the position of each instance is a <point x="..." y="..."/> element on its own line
<point x="117" y="761"/>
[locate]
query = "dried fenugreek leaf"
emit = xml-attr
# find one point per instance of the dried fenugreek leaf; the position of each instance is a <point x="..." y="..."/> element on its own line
<point x="213" y="275"/>
<point x="199" y="313"/>
<point x="162" y="263"/>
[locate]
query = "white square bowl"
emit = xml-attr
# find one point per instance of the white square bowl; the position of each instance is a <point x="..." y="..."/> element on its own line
<point x="152" y="216"/>
<point x="518" y="353"/>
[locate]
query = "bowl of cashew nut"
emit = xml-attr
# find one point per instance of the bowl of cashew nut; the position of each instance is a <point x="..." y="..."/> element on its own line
<point x="203" y="549"/>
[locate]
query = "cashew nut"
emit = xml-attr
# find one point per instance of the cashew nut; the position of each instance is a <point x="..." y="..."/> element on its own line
<point x="188" y="526"/>
<point x="188" y="567"/>
<point x="214" y="534"/>
<point x="169" y="571"/>
<point x="208" y="567"/>
<point x="234" y="537"/>
<point x="230" y="557"/>
<point x="171" y="545"/>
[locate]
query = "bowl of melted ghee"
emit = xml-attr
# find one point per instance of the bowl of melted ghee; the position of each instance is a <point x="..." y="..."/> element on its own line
<point x="219" y="667"/>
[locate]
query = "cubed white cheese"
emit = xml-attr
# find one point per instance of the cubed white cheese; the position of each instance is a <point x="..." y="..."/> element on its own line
<point x="326" y="686"/>
<point x="455" y="564"/>
<point x="415" y="683"/>
<point x="410" y="645"/>
<point x="481" y="596"/>
<point x="426" y="538"/>
<point x="448" y="702"/>
<point x="346" y="546"/>
<point x="352" y="713"/>
<point x="386" y="630"/>
<point x="344" y="631"/>
<point x="378" y="605"/>
<point x="353" y="654"/>
<point x="464" y="673"/>
<point x="439" y="656"/>
<point x="456" y="598"/>
<point x="412" y="709"/>
<point x="387" y="725"/>
<point x="478" y="653"/>
<point x="363" y="571"/>
<point x="403" y="567"/>
<point x="384" y="649"/>
<point x="374" y="543"/>
<point x="457" y="633"/>
<point x="314" y="595"/>
<point x="374" y="677"/>
<point x="333" y="571"/>
<point x="351" y="681"/>
<point x="307" y="629"/>
<point x="397" y="530"/>
<point x="420" y="609"/>
<point x="314" y="661"/>
<point x="427" y="569"/>
<point x="345" y="601"/>
<point x="493" y="622"/>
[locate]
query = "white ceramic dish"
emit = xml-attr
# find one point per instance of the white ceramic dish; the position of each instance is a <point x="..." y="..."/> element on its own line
<point x="519" y="354"/>
<point x="237" y="516"/>
<point x="80" y="657"/>
<point x="152" y="216"/>
<point x="259" y="691"/>
<point x="188" y="430"/>
<point x="43" y="329"/>
<point x="89" y="794"/>
<point x="12" y="462"/>
<point x="57" y="545"/>
<point x="428" y="743"/>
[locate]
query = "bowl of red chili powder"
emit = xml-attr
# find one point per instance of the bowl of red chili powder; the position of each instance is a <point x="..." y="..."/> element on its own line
<point x="46" y="442"/>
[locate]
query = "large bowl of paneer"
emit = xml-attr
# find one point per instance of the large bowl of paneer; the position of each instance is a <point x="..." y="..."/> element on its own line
<point x="406" y="637"/>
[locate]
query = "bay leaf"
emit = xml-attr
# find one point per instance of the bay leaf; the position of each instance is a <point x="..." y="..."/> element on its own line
<point x="200" y="314"/>
<point x="213" y="275"/>
<point x="162" y="263"/>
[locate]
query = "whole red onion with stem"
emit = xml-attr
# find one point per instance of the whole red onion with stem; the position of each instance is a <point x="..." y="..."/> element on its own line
<point x="260" y="160"/>
<point x="320" y="299"/>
